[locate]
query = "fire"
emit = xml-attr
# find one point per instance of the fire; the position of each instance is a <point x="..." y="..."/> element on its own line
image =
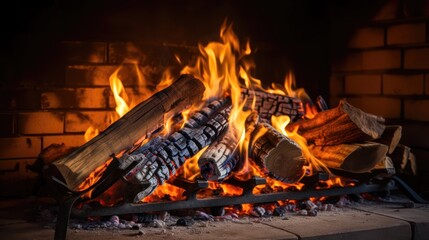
<point x="118" y="90"/>
<point x="223" y="69"/>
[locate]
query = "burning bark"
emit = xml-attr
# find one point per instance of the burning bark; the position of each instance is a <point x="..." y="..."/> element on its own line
<point x="343" y="124"/>
<point x="161" y="157"/>
<point x="140" y="121"/>
<point x="221" y="157"/>
<point x="270" y="104"/>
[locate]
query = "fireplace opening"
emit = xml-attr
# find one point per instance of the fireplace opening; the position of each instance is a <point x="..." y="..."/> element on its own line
<point x="73" y="69"/>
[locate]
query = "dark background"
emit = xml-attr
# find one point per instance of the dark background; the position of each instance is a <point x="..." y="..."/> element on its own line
<point x="303" y="36"/>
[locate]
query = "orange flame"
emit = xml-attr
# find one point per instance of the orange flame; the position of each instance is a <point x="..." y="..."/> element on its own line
<point x="223" y="69"/>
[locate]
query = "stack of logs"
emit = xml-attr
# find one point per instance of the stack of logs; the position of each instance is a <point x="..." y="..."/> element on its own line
<point x="343" y="137"/>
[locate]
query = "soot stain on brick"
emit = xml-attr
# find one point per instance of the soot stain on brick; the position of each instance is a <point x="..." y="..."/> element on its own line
<point x="28" y="142"/>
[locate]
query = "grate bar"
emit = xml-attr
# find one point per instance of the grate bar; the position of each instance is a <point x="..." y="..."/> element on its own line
<point x="247" y="197"/>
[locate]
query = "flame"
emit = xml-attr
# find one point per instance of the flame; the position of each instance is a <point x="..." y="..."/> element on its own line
<point x="90" y="133"/>
<point x="223" y="68"/>
<point x="280" y="123"/>
<point x="118" y="90"/>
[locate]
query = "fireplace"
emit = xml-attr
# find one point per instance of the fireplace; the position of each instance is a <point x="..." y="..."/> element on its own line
<point x="373" y="54"/>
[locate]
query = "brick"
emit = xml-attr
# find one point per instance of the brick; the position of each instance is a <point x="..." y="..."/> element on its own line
<point x="406" y="33"/>
<point x="7" y="125"/>
<point x="336" y="85"/>
<point x="363" y="84"/>
<point x="40" y="122"/>
<point x="390" y="10"/>
<point x="416" y="8"/>
<point x="416" y="58"/>
<point x="75" y="98"/>
<point x="382" y="106"/>
<point x="352" y="62"/>
<point x="427" y="84"/>
<point x="19" y="99"/>
<point x="20" y="147"/>
<point x="68" y="139"/>
<point x="416" y="109"/>
<point x="15" y="178"/>
<point x="85" y="52"/>
<point x="80" y="121"/>
<point x="367" y="37"/>
<point x="403" y="84"/>
<point x="381" y="59"/>
<point x="90" y="76"/>
<point x="156" y="56"/>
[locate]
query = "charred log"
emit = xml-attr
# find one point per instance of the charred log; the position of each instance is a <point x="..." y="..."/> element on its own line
<point x="137" y="123"/>
<point x="270" y="104"/>
<point x="161" y="157"/>
<point x="221" y="157"/>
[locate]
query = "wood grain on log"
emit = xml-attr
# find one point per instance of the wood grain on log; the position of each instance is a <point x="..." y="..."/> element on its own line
<point x="385" y="166"/>
<point x="355" y="158"/>
<point x="277" y="155"/>
<point x="404" y="160"/>
<point x="390" y="137"/>
<point x="270" y="104"/>
<point x="138" y="122"/>
<point x="161" y="157"/>
<point x="343" y="124"/>
<point x="221" y="157"/>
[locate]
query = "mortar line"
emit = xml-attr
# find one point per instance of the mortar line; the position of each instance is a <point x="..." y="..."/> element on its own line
<point x="299" y="237"/>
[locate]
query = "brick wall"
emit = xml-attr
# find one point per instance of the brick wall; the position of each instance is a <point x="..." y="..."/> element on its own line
<point x="386" y="72"/>
<point x="34" y="117"/>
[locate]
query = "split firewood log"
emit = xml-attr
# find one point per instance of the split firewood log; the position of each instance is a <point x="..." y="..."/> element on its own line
<point x="137" y="123"/>
<point x="391" y="137"/>
<point x="385" y="166"/>
<point x="277" y="155"/>
<point x="404" y="160"/>
<point x="343" y="124"/>
<point x="161" y="157"/>
<point x="270" y="104"/>
<point x="355" y="157"/>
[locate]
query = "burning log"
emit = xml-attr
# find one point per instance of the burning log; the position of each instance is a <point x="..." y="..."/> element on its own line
<point x="391" y="137"/>
<point x="277" y="155"/>
<point x="270" y="104"/>
<point x="161" y="157"/>
<point x="223" y="156"/>
<point x="343" y="124"/>
<point x="355" y="158"/>
<point x="137" y="123"/>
